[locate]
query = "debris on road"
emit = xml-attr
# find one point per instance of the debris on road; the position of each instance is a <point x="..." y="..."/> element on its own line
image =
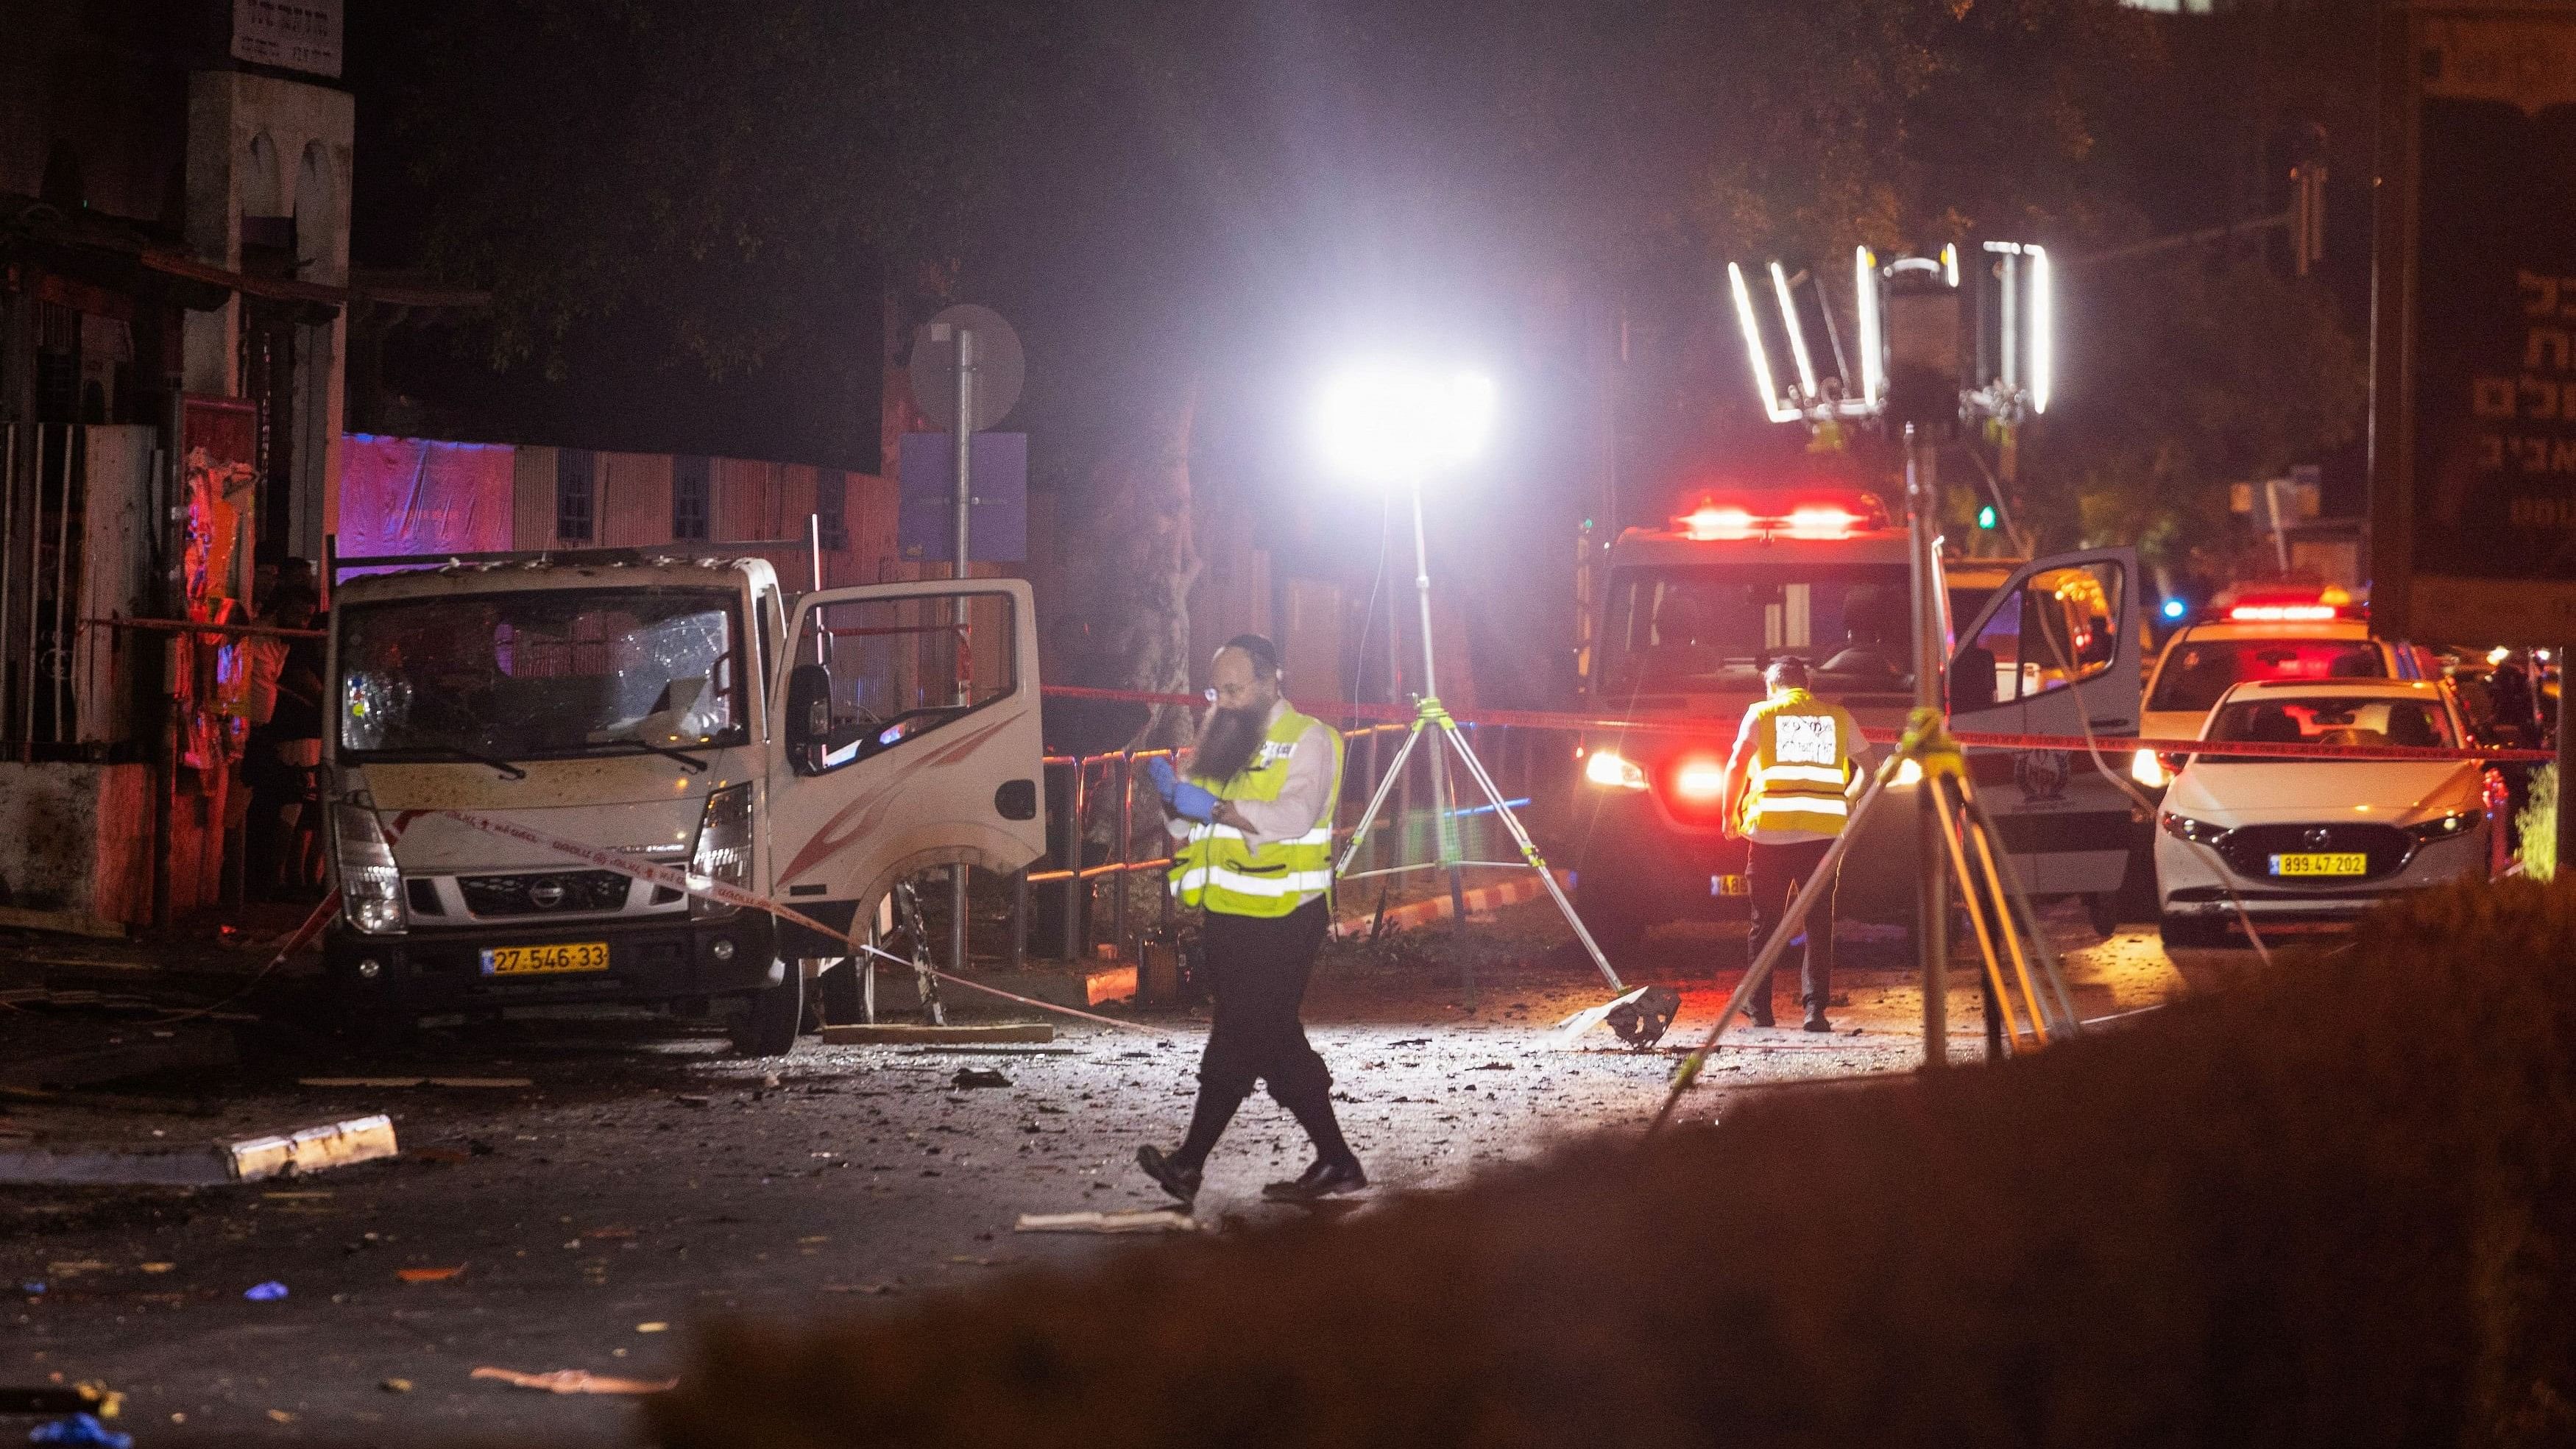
<point x="1142" y="1220"/>
<point x="877" y="1289"/>
<point x="428" y="1275"/>
<point x="971" y="1077"/>
<point x="81" y="1398"/>
<point x="268" y="1292"/>
<point x="396" y="1386"/>
<point x="891" y="1034"/>
<point x="655" y="1327"/>
<point x="398" y="1083"/>
<point x="575" y="1381"/>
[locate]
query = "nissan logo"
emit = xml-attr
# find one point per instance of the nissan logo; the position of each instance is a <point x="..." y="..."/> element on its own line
<point x="2319" y="838"/>
<point x="545" y="895"/>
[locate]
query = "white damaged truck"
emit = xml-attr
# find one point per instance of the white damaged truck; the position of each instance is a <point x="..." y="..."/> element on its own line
<point x="675" y="711"/>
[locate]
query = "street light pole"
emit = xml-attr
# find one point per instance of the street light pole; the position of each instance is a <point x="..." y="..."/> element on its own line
<point x="965" y="687"/>
<point x="1932" y="909"/>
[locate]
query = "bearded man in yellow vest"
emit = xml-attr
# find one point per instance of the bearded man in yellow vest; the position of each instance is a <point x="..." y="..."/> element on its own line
<point x="1252" y="845"/>
<point x="1789" y="786"/>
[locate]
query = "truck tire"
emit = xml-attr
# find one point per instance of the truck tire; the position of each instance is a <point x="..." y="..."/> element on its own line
<point x="770" y="1018"/>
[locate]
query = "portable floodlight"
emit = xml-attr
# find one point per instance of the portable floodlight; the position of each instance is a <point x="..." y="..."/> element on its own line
<point x="1397" y="426"/>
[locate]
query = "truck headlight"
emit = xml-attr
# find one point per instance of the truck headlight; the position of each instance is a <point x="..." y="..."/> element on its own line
<point x="370" y="885"/>
<point x="2149" y="771"/>
<point x="2445" y="828"/>
<point x="1607" y="769"/>
<point x="723" y="853"/>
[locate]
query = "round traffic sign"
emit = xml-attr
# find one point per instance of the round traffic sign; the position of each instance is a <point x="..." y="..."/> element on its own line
<point x="999" y="366"/>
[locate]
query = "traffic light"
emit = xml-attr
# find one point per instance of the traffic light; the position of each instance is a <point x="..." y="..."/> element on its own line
<point x="1986" y="518"/>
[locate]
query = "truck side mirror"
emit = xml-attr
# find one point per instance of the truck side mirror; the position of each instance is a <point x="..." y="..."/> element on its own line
<point x="809" y="715"/>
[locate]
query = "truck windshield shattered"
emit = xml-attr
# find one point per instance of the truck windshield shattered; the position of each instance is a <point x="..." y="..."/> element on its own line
<point x="540" y="673"/>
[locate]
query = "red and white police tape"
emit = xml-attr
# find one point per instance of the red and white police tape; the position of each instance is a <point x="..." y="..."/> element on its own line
<point x="680" y="880"/>
<point x="1884" y="735"/>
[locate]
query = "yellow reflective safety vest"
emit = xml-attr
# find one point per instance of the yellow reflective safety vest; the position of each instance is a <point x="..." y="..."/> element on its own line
<point x="1801" y="765"/>
<point x="1216" y="867"/>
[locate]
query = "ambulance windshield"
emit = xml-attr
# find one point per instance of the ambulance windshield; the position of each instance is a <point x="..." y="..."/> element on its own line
<point x="1706" y="628"/>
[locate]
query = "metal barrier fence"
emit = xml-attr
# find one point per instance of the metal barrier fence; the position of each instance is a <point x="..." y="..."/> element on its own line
<point x="41" y="582"/>
<point x="1101" y="808"/>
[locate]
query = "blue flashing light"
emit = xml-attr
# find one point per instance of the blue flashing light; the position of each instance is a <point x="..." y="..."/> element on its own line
<point x="2174" y="609"/>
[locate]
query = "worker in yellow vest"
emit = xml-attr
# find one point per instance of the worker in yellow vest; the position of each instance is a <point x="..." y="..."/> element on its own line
<point x="1252" y="830"/>
<point x="1789" y="786"/>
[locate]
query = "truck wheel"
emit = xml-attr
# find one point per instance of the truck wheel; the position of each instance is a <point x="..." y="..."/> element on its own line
<point x="838" y="991"/>
<point x="767" y="1025"/>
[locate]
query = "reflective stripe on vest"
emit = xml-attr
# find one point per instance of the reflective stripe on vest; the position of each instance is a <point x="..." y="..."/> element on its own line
<point x="1801" y="766"/>
<point x="1215" y="866"/>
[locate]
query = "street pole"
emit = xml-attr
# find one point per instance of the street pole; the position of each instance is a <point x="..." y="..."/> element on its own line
<point x="1932" y="908"/>
<point x="965" y="687"/>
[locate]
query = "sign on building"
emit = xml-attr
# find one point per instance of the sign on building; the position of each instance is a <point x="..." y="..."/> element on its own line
<point x="290" y="34"/>
<point x="2473" y="392"/>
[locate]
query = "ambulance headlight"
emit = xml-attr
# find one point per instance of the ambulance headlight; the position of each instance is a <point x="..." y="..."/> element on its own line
<point x="1607" y="769"/>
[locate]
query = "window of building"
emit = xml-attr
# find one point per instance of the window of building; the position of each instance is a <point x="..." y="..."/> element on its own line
<point x="574" y="495"/>
<point x="689" y="497"/>
<point x="831" y="498"/>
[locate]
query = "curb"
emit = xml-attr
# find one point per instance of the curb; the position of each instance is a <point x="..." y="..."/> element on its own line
<point x="1482" y="901"/>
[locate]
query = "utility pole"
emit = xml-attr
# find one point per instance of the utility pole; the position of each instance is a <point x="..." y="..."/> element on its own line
<point x="965" y="687"/>
<point x="1932" y="908"/>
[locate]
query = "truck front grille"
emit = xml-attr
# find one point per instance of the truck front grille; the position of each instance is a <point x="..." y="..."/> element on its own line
<point x="549" y="893"/>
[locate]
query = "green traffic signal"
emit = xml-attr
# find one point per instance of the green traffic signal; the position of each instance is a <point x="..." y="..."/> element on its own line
<point x="1986" y="516"/>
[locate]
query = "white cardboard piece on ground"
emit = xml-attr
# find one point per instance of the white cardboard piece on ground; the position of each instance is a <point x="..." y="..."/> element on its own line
<point x="252" y="1159"/>
<point x="1146" y="1220"/>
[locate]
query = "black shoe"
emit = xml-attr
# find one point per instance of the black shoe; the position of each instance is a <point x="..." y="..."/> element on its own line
<point x="1181" y="1182"/>
<point x="1759" y="1018"/>
<point x="1318" y="1182"/>
<point x="1816" y="1022"/>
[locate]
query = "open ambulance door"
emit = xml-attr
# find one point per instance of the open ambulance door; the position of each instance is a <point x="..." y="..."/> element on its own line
<point x="904" y="735"/>
<point x="2054" y="651"/>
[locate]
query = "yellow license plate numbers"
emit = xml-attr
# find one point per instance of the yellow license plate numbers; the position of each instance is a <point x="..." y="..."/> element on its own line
<point x="2337" y="862"/>
<point x="545" y="960"/>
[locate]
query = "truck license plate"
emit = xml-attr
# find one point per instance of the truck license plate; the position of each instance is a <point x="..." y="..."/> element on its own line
<point x="2340" y="862"/>
<point x="540" y="960"/>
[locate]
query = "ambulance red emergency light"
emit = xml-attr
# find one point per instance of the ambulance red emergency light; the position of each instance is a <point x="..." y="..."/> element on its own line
<point x="1687" y="616"/>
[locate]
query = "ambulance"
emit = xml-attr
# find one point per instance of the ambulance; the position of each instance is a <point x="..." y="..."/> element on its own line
<point x="510" y="731"/>
<point x="1685" y="618"/>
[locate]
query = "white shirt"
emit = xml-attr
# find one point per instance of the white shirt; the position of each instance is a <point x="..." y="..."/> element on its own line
<point x="1302" y="799"/>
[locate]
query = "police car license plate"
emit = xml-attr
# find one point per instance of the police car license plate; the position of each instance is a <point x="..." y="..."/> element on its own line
<point x="2338" y="862"/>
<point x="544" y="960"/>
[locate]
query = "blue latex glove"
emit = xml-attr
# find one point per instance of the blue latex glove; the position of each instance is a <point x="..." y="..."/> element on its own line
<point x="1193" y="802"/>
<point x="1159" y="770"/>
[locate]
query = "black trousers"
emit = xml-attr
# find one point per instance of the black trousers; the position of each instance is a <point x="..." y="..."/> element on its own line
<point x="1258" y="967"/>
<point x="1776" y="872"/>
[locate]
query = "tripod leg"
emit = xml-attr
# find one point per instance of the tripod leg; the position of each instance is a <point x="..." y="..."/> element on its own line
<point x="1377" y="802"/>
<point x="1444" y="835"/>
<point x="1529" y="852"/>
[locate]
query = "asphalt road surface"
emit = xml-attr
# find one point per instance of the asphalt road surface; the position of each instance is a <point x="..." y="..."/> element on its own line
<point x="643" y="1183"/>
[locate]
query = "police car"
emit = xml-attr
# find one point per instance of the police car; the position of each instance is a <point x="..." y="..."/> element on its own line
<point x="2309" y="636"/>
<point x="2300" y="843"/>
<point x="1686" y="617"/>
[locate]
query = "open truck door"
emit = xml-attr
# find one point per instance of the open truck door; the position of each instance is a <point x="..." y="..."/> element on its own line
<point x="904" y="735"/>
<point x="2056" y="650"/>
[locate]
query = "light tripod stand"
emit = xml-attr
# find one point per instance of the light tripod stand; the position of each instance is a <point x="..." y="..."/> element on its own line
<point x="1639" y="1016"/>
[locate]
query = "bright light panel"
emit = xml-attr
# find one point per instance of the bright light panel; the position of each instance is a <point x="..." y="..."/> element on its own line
<point x="2043" y="331"/>
<point x="1389" y="423"/>
<point x="1753" y="348"/>
<point x="1797" y="334"/>
<point x="1873" y="361"/>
